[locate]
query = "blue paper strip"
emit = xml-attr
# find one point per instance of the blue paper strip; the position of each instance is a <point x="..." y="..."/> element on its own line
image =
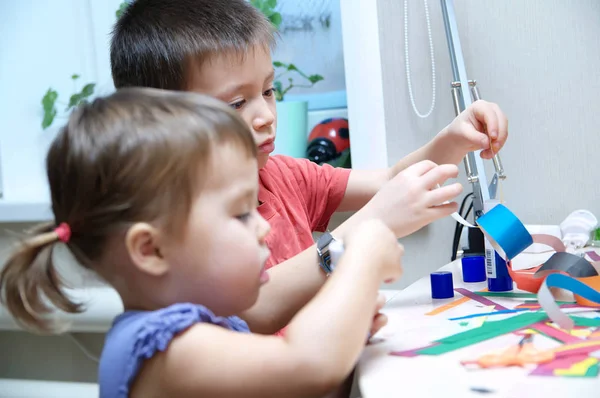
<point x="489" y="313"/>
<point x="565" y="282"/>
<point x="503" y="229"/>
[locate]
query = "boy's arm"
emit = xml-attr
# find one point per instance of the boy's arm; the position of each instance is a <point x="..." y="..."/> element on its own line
<point x="475" y="128"/>
<point x="295" y="281"/>
<point x="364" y="184"/>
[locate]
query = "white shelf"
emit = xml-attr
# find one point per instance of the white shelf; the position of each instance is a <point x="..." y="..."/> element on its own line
<point x="102" y="304"/>
<point x="21" y="388"/>
<point x="25" y="211"/>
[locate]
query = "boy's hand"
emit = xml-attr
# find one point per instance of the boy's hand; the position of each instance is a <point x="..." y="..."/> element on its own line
<point x="411" y="199"/>
<point x="481" y="123"/>
<point x="377" y="244"/>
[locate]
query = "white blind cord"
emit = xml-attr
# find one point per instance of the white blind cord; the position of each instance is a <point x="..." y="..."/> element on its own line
<point x="407" y="61"/>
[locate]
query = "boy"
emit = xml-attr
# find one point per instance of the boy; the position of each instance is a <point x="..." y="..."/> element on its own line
<point x="222" y="48"/>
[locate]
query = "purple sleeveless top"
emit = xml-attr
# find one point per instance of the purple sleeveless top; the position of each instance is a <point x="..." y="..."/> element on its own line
<point x="137" y="335"/>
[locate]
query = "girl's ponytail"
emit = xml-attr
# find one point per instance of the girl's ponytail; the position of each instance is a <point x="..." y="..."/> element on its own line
<point x="29" y="284"/>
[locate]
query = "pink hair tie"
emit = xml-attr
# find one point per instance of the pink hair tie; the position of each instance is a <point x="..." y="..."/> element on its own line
<point x="63" y="231"/>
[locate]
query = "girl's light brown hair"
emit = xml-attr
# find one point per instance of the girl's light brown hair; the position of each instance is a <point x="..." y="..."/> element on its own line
<point x="137" y="155"/>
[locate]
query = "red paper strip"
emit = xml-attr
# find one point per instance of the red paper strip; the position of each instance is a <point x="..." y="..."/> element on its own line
<point x="555" y="333"/>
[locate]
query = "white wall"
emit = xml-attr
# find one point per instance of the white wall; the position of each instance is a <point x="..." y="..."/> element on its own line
<point x="539" y="61"/>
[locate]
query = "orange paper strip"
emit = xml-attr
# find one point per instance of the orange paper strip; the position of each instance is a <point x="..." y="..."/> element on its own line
<point x="448" y="306"/>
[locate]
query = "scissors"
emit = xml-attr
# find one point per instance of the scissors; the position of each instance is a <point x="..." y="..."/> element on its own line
<point x="520" y="354"/>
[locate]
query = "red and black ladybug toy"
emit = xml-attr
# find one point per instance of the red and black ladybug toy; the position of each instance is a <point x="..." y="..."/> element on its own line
<point x="328" y="140"/>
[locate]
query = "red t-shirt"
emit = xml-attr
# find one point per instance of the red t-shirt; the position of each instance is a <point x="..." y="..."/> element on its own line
<point x="297" y="197"/>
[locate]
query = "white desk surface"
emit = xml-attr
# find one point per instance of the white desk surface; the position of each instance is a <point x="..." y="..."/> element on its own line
<point x="382" y="375"/>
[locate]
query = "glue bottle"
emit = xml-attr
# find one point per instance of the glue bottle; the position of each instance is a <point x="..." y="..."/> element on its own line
<point x="498" y="278"/>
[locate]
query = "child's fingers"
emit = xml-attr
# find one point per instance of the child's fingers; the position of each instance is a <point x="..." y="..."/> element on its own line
<point x="502" y="128"/>
<point x="420" y="168"/>
<point x="442" y="211"/>
<point x="439" y="175"/>
<point x="379" y="321"/>
<point x="485" y="114"/>
<point x="443" y="194"/>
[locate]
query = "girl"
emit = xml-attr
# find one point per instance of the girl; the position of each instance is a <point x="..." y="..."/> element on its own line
<point x="156" y="192"/>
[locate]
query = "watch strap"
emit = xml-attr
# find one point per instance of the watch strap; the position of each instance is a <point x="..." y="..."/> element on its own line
<point x="323" y="252"/>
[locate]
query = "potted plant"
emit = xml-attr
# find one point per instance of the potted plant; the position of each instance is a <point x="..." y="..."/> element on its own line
<point x="50" y="98"/>
<point x="292" y="116"/>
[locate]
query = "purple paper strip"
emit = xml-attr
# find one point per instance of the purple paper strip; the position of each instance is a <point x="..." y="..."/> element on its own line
<point x="478" y="298"/>
<point x="411" y="353"/>
<point x="593" y="255"/>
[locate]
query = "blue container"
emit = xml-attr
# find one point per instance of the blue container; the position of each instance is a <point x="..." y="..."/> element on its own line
<point x="502" y="282"/>
<point x="441" y="285"/>
<point x="473" y="269"/>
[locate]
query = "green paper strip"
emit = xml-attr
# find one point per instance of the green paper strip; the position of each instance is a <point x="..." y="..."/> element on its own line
<point x="507" y="294"/>
<point x="558" y="302"/>
<point x="505" y="326"/>
<point x="591" y="372"/>
<point x="582" y="321"/>
<point x="487" y="331"/>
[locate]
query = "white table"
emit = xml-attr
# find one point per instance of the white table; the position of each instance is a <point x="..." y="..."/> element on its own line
<point x="382" y="375"/>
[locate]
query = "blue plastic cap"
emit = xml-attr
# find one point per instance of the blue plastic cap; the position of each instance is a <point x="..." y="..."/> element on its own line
<point x="473" y="269"/>
<point x="501" y="284"/>
<point x="441" y="285"/>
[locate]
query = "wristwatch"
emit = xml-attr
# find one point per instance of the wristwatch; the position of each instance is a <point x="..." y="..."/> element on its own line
<point x="323" y="252"/>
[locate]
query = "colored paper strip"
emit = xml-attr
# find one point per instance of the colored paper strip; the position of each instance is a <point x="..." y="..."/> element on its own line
<point x="480" y="299"/>
<point x="593" y="255"/>
<point x="555" y="333"/>
<point x="488" y="313"/>
<point x="507" y="294"/>
<point x="546" y="298"/>
<point x="578" y="369"/>
<point x="448" y="306"/>
<point x="588" y="322"/>
<point x="488" y="331"/>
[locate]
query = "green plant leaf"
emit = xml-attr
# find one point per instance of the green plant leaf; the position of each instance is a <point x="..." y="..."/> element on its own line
<point x="276" y="19"/>
<point x="75" y="76"/>
<point x="88" y="89"/>
<point x="74" y="100"/>
<point x="278" y="90"/>
<point x="48" y="118"/>
<point x="291" y="67"/>
<point x="49" y="105"/>
<point x="271" y="3"/>
<point x="49" y="100"/>
<point x="278" y="64"/>
<point x="121" y="9"/>
<point x="315" y="78"/>
<point x="78" y="98"/>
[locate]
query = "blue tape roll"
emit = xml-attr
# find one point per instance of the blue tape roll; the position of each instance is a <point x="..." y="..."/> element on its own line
<point x="473" y="269"/>
<point x="441" y="285"/>
<point x="505" y="231"/>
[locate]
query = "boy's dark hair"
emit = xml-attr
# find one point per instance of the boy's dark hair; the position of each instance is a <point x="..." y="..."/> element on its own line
<point x="155" y="41"/>
<point x="139" y="155"/>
